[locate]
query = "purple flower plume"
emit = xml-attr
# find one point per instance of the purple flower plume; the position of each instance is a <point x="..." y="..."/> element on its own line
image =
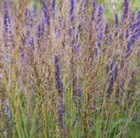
<point x="7" y="24"/>
<point x="59" y="85"/>
<point x="135" y="34"/>
<point x="7" y="21"/>
<point x="100" y="13"/>
<point x="40" y="30"/>
<point x="110" y="38"/>
<point x="136" y="29"/>
<point x="71" y="7"/>
<point x="71" y="10"/>
<point x="129" y="46"/>
<point x="46" y="12"/>
<point x="28" y="18"/>
<point x="125" y="9"/>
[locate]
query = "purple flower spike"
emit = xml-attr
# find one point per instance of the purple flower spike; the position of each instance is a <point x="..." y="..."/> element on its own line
<point x="94" y="5"/>
<point x="116" y="20"/>
<point x="132" y="16"/>
<point x="31" y="41"/>
<point x="71" y="7"/>
<point x="53" y="5"/>
<point x="136" y="30"/>
<point x="28" y="18"/>
<point x="7" y="22"/>
<point x="96" y="51"/>
<point x="28" y="39"/>
<point x="61" y="113"/>
<point x="63" y="23"/>
<point x="127" y="33"/>
<point x="131" y="42"/>
<point x="71" y="10"/>
<point x="106" y="28"/>
<point x="125" y="9"/>
<point x="100" y="13"/>
<point x="110" y="38"/>
<point x="59" y="85"/>
<point x="131" y="19"/>
<point x="70" y="32"/>
<point x="129" y="46"/>
<point x="136" y="35"/>
<point x="136" y="26"/>
<point x="110" y="86"/>
<point x="57" y="33"/>
<point x="101" y="10"/>
<point x="113" y="77"/>
<point x="46" y="12"/>
<point x="40" y="31"/>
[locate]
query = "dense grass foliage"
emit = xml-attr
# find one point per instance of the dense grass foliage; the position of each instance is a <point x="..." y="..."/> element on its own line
<point x="69" y="68"/>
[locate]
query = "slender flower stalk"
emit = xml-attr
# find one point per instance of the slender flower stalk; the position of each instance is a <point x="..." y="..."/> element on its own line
<point x="59" y="88"/>
<point x="6" y="49"/>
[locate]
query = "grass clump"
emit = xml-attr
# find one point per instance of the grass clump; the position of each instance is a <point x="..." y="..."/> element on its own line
<point x="67" y="70"/>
